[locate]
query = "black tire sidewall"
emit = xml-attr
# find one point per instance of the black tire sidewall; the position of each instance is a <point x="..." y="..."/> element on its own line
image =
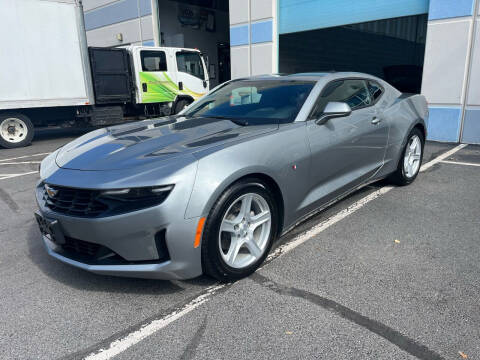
<point x="212" y="261"/>
<point x="30" y="131"/>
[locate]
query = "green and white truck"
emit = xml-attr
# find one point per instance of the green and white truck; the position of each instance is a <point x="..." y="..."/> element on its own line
<point x="50" y="77"/>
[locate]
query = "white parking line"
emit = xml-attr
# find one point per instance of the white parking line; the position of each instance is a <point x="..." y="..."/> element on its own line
<point x="120" y="345"/>
<point x="20" y="163"/>
<point x="135" y="337"/>
<point x="9" y="176"/>
<point x="460" y="163"/>
<point x="442" y="157"/>
<point x="23" y="157"/>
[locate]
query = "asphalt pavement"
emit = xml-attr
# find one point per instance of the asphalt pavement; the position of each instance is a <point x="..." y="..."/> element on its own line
<point x="397" y="277"/>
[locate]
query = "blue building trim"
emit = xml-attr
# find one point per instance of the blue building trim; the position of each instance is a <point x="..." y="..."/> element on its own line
<point x="444" y="9"/>
<point x="471" y="126"/>
<point x="443" y="124"/>
<point x="116" y="12"/>
<point x="148" y="43"/>
<point x="305" y="15"/>
<point x="239" y="35"/>
<point x="262" y="31"/>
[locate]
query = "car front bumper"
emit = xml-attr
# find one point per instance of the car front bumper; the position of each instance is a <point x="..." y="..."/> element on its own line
<point x="133" y="238"/>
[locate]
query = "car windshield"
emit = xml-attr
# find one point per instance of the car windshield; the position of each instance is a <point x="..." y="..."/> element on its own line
<point x="254" y="102"/>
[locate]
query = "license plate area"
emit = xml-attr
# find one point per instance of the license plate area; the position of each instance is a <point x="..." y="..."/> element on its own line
<point x="50" y="228"/>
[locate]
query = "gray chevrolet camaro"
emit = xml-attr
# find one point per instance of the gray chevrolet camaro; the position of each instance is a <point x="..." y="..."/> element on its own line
<point x="209" y="190"/>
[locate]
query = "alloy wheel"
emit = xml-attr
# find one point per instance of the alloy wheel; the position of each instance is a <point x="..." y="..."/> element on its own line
<point x="412" y="157"/>
<point x="245" y="230"/>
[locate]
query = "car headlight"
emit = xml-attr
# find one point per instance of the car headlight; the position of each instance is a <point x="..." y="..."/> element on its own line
<point x="131" y="199"/>
<point x="154" y="193"/>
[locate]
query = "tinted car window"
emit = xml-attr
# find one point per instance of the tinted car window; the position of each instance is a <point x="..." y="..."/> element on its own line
<point x="351" y="91"/>
<point x="375" y="90"/>
<point x="259" y="101"/>
<point x="153" y="60"/>
<point x="190" y="63"/>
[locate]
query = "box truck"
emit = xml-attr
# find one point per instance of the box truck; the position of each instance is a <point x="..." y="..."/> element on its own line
<point x="50" y="77"/>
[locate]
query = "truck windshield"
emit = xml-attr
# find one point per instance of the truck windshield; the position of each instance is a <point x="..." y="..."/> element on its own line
<point x="190" y="63"/>
<point x="258" y="101"/>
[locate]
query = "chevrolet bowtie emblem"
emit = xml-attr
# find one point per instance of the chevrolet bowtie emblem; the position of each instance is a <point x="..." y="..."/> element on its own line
<point x="51" y="191"/>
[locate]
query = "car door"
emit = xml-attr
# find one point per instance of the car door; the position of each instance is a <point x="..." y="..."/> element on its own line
<point x="191" y="75"/>
<point x="156" y="86"/>
<point x="345" y="151"/>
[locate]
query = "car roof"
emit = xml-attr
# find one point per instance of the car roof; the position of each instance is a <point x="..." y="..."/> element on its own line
<point x="311" y="76"/>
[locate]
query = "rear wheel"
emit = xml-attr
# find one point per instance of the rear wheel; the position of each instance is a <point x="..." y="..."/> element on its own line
<point x="239" y="231"/>
<point x="411" y="159"/>
<point x="16" y="130"/>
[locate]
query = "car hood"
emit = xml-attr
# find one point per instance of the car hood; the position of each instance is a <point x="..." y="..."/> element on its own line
<point x="149" y="141"/>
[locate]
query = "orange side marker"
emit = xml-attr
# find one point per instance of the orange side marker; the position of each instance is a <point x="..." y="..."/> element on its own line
<point x="198" y="234"/>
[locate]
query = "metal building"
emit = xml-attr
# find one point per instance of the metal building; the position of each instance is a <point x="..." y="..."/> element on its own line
<point x="432" y="46"/>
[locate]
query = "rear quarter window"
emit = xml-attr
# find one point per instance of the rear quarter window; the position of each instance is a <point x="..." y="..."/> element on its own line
<point x="375" y="90"/>
<point x="153" y="60"/>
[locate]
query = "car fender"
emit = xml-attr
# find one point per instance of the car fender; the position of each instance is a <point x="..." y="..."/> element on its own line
<point x="207" y="190"/>
<point x="283" y="156"/>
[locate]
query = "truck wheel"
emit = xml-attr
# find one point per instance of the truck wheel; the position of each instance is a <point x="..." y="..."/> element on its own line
<point x="180" y="105"/>
<point x="16" y="130"/>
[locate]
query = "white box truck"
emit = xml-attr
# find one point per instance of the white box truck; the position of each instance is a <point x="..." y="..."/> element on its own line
<point x="49" y="76"/>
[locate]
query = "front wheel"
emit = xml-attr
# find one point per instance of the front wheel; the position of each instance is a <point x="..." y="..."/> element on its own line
<point x="16" y="130"/>
<point x="411" y="159"/>
<point x="180" y="105"/>
<point x="239" y="231"/>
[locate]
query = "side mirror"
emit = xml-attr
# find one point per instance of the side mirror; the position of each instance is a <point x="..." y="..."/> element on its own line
<point x="334" y="110"/>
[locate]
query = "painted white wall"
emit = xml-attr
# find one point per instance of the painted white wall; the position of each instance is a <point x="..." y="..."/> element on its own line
<point x="445" y="61"/>
<point x="107" y="35"/>
<point x="240" y="66"/>
<point x="239" y="11"/>
<point x="473" y="97"/>
<point x="261" y="58"/>
<point x="262" y="9"/>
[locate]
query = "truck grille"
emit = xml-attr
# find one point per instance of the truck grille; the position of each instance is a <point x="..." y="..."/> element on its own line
<point x="76" y="202"/>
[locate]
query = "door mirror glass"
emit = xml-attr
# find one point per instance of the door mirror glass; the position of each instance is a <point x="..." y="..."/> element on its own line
<point x="334" y="110"/>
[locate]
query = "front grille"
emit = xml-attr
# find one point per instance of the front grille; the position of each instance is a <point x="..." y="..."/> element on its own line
<point x="89" y="253"/>
<point x="81" y="247"/>
<point x="96" y="254"/>
<point x="76" y="202"/>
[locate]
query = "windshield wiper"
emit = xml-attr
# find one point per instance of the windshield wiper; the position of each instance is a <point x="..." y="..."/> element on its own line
<point x="235" y="121"/>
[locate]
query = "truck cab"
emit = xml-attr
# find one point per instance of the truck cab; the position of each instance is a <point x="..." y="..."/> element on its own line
<point x="176" y="76"/>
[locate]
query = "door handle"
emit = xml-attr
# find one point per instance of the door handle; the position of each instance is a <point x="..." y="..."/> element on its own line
<point x="375" y="121"/>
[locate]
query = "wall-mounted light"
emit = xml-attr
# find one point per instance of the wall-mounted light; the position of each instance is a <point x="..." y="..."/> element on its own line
<point x="120" y="37"/>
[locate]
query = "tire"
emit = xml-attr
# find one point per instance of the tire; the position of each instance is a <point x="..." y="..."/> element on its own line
<point x="16" y="130"/>
<point x="404" y="175"/>
<point x="180" y="105"/>
<point x="218" y="250"/>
